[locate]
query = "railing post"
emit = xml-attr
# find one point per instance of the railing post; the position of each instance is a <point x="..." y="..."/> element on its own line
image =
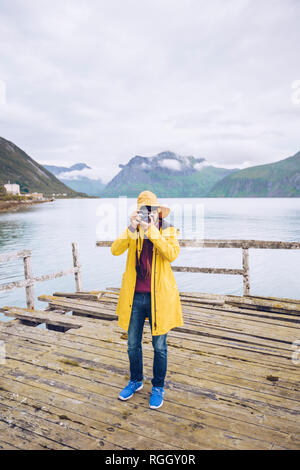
<point x="246" y="279"/>
<point x="76" y="264"/>
<point x="28" y="276"/>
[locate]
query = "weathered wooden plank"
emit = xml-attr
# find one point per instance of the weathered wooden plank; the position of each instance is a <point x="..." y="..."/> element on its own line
<point x="110" y="411"/>
<point x="24" y="439"/>
<point x="50" y="318"/>
<point x="5" y="445"/>
<point x="269" y="304"/>
<point x="104" y="341"/>
<point x="55" y="430"/>
<point x="227" y="423"/>
<point x="263" y="397"/>
<point x="238" y="378"/>
<point x="246" y="331"/>
<point x="96" y="304"/>
<point x="278" y="422"/>
<point x="81" y="417"/>
<point x="109" y="391"/>
<point x="78" y="295"/>
<point x="105" y="296"/>
<point x="262" y="304"/>
<point x="233" y="314"/>
<point x="229" y="319"/>
<point x="79" y="305"/>
<point x="253" y="336"/>
<point x="204" y="344"/>
<point x="194" y="369"/>
<point x="280" y="299"/>
<point x="90" y="309"/>
<point x="187" y="433"/>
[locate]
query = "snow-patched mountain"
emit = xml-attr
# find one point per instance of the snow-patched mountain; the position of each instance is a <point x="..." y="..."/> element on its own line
<point x="167" y="174"/>
<point x="79" y="177"/>
<point x="18" y="167"/>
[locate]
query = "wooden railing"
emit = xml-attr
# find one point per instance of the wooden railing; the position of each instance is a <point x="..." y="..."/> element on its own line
<point x="215" y="243"/>
<point x="29" y="280"/>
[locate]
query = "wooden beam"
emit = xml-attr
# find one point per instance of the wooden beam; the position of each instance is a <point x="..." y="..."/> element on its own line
<point x="44" y="277"/>
<point x="192" y="269"/>
<point x="219" y="243"/>
<point x="261" y="244"/>
<point x="246" y="280"/>
<point x="14" y="255"/>
<point x="86" y="307"/>
<point x="28" y="276"/>
<point x="14" y="285"/>
<point x="42" y="316"/>
<point x="76" y="264"/>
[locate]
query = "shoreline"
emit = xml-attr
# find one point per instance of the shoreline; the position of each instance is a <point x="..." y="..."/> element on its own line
<point x="13" y="206"/>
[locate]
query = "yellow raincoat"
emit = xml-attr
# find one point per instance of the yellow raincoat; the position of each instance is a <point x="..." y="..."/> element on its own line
<point x="166" y="309"/>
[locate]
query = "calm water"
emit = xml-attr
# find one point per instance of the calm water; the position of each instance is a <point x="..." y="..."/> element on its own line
<point x="49" y="229"/>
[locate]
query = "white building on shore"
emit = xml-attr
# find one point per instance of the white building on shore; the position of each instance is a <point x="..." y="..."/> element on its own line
<point x="12" y="188"/>
<point x="15" y="190"/>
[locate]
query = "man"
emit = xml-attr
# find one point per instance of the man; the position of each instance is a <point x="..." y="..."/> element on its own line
<point x="148" y="290"/>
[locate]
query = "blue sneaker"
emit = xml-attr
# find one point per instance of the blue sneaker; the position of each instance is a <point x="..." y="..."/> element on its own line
<point x="156" y="399"/>
<point x="130" y="389"/>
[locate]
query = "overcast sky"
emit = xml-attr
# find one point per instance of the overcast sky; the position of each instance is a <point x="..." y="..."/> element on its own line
<point x="100" y="81"/>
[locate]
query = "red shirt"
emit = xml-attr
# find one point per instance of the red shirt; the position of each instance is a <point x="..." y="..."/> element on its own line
<point x="144" y="285"/>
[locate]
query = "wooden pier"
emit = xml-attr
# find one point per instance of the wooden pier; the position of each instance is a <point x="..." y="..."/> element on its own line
<point x="232" y="382"/>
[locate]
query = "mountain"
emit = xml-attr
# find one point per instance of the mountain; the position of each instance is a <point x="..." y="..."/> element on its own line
<point x="17" y="167"/>
<point x="278" y="179"/>
<point x="79" y="177"/>
<point x="167" y="174"/>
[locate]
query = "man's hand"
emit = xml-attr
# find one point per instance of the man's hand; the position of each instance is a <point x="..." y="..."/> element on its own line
<point x="134" y="220"/>
<point x="146" y="225"/>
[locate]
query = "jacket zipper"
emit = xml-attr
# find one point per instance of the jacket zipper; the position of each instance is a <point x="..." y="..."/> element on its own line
<point x="155" y="253"/>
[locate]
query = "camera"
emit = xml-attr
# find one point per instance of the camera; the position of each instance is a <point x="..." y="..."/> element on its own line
<point x="144" y="216"/>
<point x="145" y="212"/>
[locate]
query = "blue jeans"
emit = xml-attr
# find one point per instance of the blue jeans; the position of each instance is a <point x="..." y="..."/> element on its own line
<point x="141" y="308"/>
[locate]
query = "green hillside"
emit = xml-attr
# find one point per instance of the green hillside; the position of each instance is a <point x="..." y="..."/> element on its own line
<point x="279" y="179"/>
<point x="17" y="167"/>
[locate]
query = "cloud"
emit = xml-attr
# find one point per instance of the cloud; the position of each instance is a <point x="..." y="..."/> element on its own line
<point x="171" y="164"/>
<point x="91" y="173"/>
<point x="199" y="166"/>
<point x="100" y="82"/>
